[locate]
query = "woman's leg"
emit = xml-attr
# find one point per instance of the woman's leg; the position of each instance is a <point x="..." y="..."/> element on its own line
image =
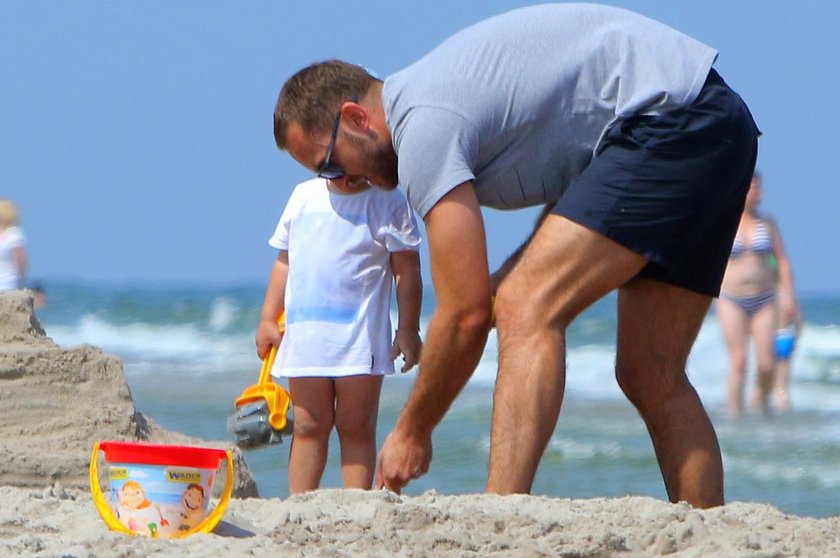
<point x="314" y="405"/>
<point x="356" y="410"/>
<point x="763" y="332"/>
<point x="733" y="323"/>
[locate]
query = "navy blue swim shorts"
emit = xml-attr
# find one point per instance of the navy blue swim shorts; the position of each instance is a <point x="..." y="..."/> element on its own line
<point x="671" y="186"/>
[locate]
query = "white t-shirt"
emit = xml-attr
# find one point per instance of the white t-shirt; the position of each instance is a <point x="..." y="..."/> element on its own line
<point x="338" y="291"/>
<point x="10" y="239"/>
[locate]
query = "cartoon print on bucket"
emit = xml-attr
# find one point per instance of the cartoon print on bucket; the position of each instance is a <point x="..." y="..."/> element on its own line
<point x="159" y="491"/>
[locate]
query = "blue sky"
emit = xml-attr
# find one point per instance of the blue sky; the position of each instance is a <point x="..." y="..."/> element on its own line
<point x="137" y="143"/>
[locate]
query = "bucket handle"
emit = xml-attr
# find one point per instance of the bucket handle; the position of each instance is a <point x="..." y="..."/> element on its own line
<point x="111" y="520"/>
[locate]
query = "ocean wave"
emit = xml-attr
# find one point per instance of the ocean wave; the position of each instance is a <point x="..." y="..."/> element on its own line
<point x="209" y="332"/>
<point x="144" y="341"/>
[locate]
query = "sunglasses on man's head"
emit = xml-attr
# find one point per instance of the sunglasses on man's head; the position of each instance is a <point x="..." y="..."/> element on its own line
<point x="330" y="170"/>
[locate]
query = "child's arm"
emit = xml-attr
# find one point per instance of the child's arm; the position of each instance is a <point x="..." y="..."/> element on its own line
<point x="406" y="268"/>
<point x="268" y="333"/>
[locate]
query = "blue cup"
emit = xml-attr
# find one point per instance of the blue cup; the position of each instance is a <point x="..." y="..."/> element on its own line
<point x="785" y="341"/>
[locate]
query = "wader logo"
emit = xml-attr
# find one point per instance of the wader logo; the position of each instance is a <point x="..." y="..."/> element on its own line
<point x="118" y="473"/>
<point x="174" y="475"/>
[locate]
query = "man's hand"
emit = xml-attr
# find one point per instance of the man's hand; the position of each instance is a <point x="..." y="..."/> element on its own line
<point x="408" y="344"/>
<point x="403" y="457"/>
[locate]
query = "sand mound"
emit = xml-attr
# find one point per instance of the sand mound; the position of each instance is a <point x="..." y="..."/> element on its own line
<point x="55" y="403"/>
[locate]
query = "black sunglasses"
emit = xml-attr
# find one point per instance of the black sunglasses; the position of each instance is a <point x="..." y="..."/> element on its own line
<point x="330" y="170"/>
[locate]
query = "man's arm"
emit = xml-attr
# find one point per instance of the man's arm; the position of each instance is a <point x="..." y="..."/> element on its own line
<point x="406" y="268"/>
<point x="457" y="334"/>
<point x="499" y="275"/>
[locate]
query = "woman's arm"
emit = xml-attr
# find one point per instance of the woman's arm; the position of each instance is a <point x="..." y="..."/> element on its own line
<point x="788" y="304"/>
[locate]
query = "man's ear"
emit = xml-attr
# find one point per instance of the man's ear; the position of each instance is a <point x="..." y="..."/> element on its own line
<point x="355" y="115"/>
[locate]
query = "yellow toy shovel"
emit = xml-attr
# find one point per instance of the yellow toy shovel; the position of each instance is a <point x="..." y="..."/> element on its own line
<point x="260" y="418"/>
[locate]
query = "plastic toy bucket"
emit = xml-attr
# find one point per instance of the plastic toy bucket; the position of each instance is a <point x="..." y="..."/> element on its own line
<point x="161" y="491"/>
<point x="785" y="342"/>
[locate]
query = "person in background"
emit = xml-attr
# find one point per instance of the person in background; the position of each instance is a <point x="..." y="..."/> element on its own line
<point x="757" y="295"/>
<point x="12" y="248"/>
<point x="341" y="248"/>
<point x="39" y="295"/>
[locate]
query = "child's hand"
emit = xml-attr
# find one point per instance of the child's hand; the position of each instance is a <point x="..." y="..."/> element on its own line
<point x="268" y="334"/>
<point x="408" y="344"/>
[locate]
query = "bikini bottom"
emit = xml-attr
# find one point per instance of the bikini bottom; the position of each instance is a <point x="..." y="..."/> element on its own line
<point x="751" y="304"/>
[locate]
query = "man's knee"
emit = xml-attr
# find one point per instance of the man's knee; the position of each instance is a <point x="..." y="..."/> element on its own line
<point x="508" y="307"/>
<point x="523" y="308"/>
<point x="650" y="386"/>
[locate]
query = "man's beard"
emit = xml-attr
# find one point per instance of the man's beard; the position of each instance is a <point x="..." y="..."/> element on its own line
<point x="381" y="160"/>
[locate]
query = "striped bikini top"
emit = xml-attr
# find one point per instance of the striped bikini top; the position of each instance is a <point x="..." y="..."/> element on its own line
<point x="762" y="242"/>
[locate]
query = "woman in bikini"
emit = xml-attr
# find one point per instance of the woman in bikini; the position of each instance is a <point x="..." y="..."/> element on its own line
<point x="757" y="294"/>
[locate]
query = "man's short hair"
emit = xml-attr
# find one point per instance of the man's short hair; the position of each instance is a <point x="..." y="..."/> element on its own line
<point x="312" y="96"/>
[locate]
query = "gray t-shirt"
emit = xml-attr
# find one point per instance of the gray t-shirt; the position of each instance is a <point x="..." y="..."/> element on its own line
<point x="518" y="103"/>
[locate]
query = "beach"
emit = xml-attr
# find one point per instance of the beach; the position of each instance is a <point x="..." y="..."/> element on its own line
<point x="56" y="401"/>
<point x="58" y="522"/>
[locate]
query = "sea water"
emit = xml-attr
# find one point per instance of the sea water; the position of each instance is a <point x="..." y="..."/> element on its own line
<point x="188" y="352"/>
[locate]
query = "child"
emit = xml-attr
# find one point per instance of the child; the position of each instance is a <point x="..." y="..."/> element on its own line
<point x="340" y="246"/>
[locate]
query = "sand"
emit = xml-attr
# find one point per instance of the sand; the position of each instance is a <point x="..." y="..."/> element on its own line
<point x="47" y="427"/>
<point x="55" y="403"/>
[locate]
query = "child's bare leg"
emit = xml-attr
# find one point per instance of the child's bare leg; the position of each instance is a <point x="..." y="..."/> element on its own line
<point x="356" y="410"/>
<point x="314" y="400"/>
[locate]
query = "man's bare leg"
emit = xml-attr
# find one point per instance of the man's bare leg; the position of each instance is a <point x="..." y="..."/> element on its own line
<point x="565" y="268"/>
<point x="657" y="325"/>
